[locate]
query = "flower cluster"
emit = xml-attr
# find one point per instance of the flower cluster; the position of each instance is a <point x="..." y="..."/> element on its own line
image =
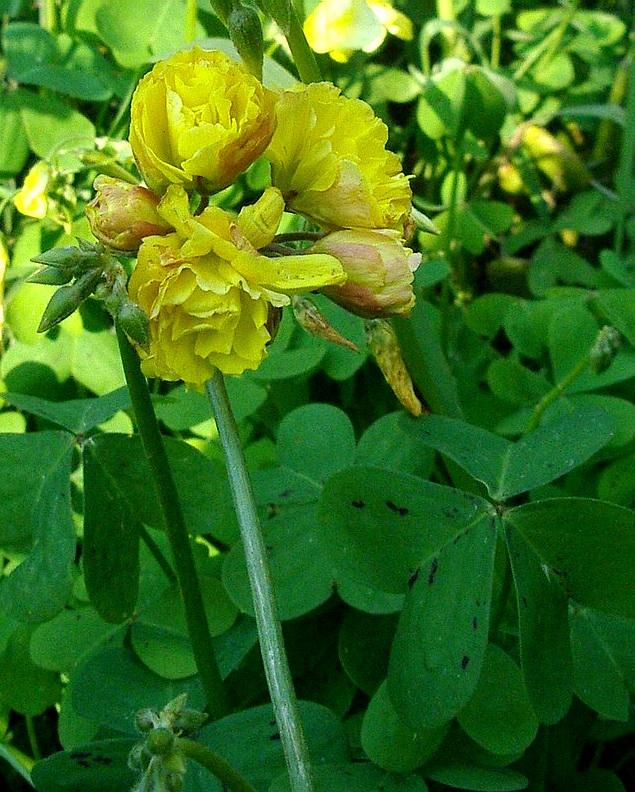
<point x="212" y="284"/>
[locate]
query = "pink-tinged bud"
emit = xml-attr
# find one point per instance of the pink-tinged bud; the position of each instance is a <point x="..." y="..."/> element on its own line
<point x="121" y="214"/>
<point x="379" y="271"/>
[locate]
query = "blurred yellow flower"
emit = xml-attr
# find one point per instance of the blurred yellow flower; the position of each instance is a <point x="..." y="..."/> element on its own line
<point x="32" y="200"/>
<point x="329" y="159"/>
<point x="199" y="119"/>
<point x="341" y="27"/>
<point x="208" y="292"/>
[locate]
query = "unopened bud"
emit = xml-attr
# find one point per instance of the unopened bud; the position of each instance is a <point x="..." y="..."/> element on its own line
<point x="160" y="742"/>
<point x="67" y="299"/>
<point x="51" y="276"/>
<point x="606" y="346"/>
<point x="134" y="322"/>
<point x="121" y="214"/>
<point x="382" y="342"/>
<point x="379" y="271"/>
<point x="245" y="32"/>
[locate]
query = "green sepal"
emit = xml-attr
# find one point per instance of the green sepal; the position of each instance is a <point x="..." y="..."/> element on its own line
<point x="133" y="321"/>
<point x="67" y="299"/>
<point x="51" y="276"/>
<point x="86" y="255"/>
<point x="245" y="32"/>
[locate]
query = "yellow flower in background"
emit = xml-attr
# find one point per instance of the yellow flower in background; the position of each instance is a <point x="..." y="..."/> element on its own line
<point x="208" y="292"/>
<point x="32" y="200"/>
<point x="199" y="119"/>
<point x="340" y="27"/>
<point x="329" y="159"/>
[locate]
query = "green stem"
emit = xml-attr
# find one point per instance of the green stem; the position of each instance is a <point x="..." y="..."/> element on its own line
<point x="624" y="180"/>
<point x="495" y="56"/>
<point x="549" y="45"/>
<point x="191" y="11"/>
<point x="156" y="553"/>
<point x="549" y="398"/>
<point x="32" y="735"/>
<point x="224" y="772"/>
<point x="301" y="53"/>
<point x="267" y="621"/>
<point x="48" y="15"/>
<point x="178" y="537"/>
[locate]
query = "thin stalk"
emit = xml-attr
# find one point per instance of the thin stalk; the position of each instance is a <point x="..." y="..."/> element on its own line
<point x="156" y="553"/>
<point x="550" y="44"/>
<point x="301" y="53"/>
<point x="191" y="10"/>
<point x="230" y="778"/>
<point x="495" y="56"/>
<point x="267" y="621"/>
<point x="625" y="176"/>
<point x="47" y="15"/>
<point x="559" y="388"/>
<point x="32" y="735"/>
<point x="178" y="537"/>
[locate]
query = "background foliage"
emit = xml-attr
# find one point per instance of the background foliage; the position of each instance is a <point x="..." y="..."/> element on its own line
<point x="457" y="590"/>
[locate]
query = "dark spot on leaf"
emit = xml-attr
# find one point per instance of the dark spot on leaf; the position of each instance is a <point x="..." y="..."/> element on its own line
<point x="465" y="662"/>
<point x="272" y="510"/>
<point x="285" y="493"/>
<point x="413" y="578"/>
<point x="83" y="762"/>
<point x="102" y="760"/>
<point x="272" y="722"/>
<point x="358" y="504"/>
<point x="433" y="571"/>
<point x="499" y="509"/>
<point x="274" y="736"/>
<point x="80" y="755"/>
<point x="475" y="623"/>
<point x="524" y="601"/>
<point x="402" y="511"/>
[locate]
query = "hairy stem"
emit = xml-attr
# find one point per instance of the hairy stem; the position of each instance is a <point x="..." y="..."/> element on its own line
<point x="267" y="621"/>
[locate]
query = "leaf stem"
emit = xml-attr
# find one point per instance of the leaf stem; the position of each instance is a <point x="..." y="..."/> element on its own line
<point x="178" y="537"/>
<point x="230" y="778"/>
<point x="267" y="621"/>
<point x="301" y="52"/>
<point x="191" y="10"/>
<point x="557" y="391"/>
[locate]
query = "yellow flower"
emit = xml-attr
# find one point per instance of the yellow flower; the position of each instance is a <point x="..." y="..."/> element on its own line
<point x="379" y="272"/>
<point x="199" y="119"/>
<point x="31" y="200"/>
<point x="208" y="292"/>
<point x="340" y="27"/>
<point x="329" y="159"/>
<point x="122" y="214"/>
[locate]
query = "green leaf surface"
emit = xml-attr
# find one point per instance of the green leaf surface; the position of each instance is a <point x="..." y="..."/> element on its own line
<point x="392" y="745"/>
<point x="249" y="740"/>
<point x="603" y="661"/>
<point x="439" y="646"/>
<point x="586" y="546"/>
<point x="544" y="640"/>
<point x="499" y="717"/>
<point x="35" y="506"/>
<point x="379" y="526"/>
<point x="50" y="123"/>
<point x="96" y="363"/>
<point x="111" y="542"/>
<point x="59" y="644"/>
<point x="506" y="468"/>
<point x="301" y="570"/>
<point x="389" y="443"/>
<point x="78" y="415"/>
<point x="479" y="779"/>
<point x="364" y="647"/>
<point x="356" y="778"/>
<point x="112" y="684"/>
<point x="94" y="767"/>
<point x="14" y="146"/>
<point x="159" y="635"/>
<point x="618" y="306"/>
<point x="24" y="686"/>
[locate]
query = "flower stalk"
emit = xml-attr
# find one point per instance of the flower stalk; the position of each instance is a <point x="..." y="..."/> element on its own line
<point x="195" y="616"/>
<point x="267" y="621"/>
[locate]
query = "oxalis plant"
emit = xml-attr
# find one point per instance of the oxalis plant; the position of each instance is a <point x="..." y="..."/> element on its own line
<point x="425" y="590"/>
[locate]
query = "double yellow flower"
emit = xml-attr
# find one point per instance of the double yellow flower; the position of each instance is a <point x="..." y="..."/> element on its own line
<point x="199" y="119"/>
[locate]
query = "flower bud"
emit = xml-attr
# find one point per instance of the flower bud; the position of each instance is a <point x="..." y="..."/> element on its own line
<point x="379" y="272"/>
<point x="384" y="346"/>
<point x="245" y="32"/>
<point x="313" y="321"/>
<point x="122" y="214"/>
<point x="67" y="299"/>
<point x="32" y="200"/>
<point x="606" y="346"/>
